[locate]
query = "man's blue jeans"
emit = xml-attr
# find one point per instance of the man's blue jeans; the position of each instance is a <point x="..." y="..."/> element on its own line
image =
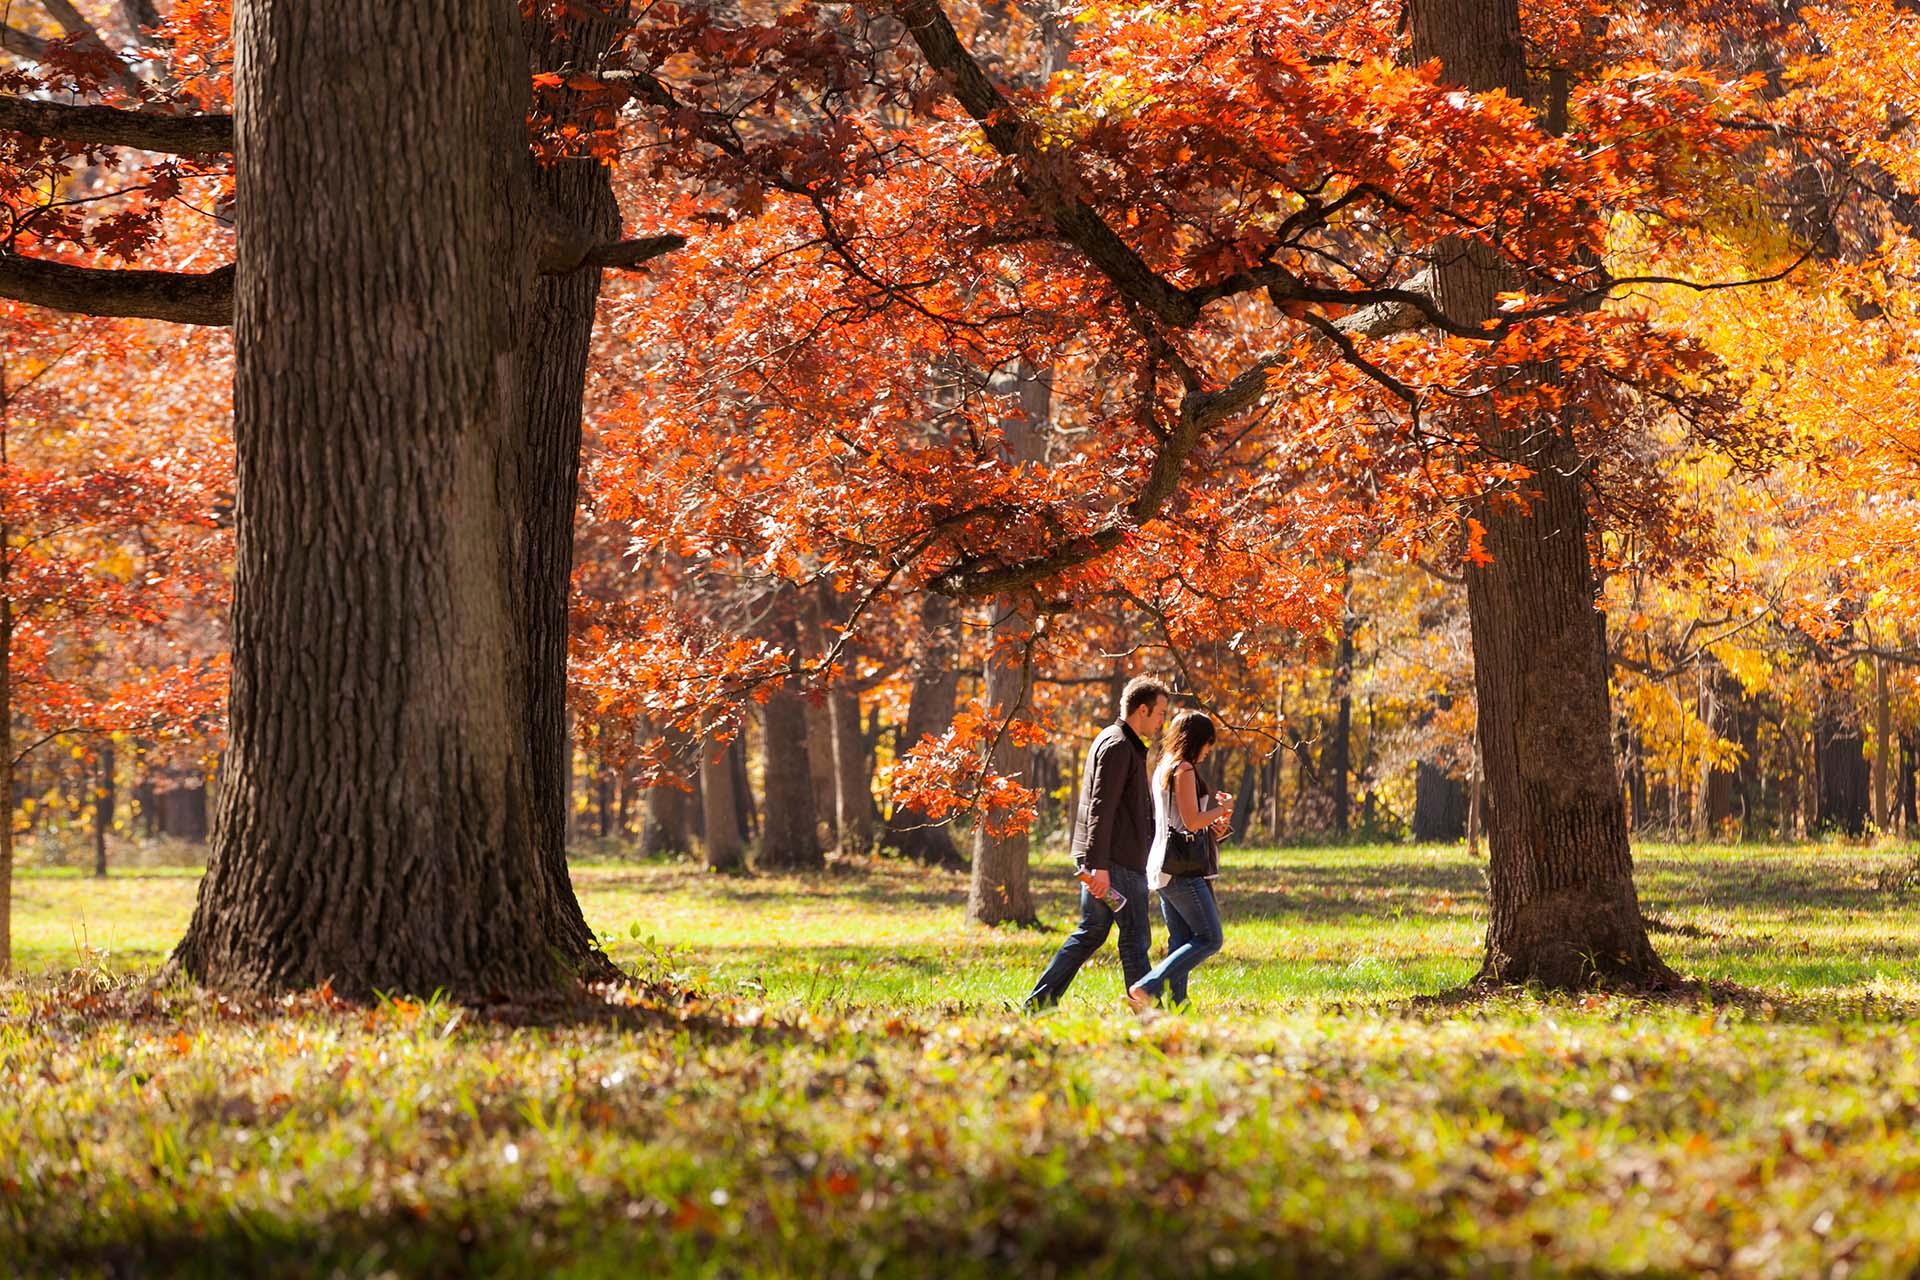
<point x="1096" y="922"/>
<point x="1193" y="934"/>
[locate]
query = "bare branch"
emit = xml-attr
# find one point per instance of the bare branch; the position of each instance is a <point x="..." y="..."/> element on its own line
<point x="188" y="297"/>
<point x="185" y="297"/>
<point x="118" y="127"/>
<point x="563" y="255"/>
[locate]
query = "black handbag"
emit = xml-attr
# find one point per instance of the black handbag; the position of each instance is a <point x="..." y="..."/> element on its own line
<point x="1189" y="853"/>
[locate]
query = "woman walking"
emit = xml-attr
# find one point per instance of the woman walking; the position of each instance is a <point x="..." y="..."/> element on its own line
<point x="1185" y="858"/>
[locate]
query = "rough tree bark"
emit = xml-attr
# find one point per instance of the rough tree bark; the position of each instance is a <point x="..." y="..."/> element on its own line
<point x="930" y="705"/>
<point x="378" y="826"/>
<point x="577" y="194"/>
<point x="1564" y="913"/>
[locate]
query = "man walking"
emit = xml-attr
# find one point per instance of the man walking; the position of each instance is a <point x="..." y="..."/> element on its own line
<point x="1112" y="834"/>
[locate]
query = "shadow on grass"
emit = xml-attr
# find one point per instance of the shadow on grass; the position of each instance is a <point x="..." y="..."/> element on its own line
<point x="1708" y="995"/>
<point x="609" y="1235"/>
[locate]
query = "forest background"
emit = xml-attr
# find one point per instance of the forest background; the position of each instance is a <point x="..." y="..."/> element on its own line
<point x="805" y="427"/>
<point x="663" y="495"/>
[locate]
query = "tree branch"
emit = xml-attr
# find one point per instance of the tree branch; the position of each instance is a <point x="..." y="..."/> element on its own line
<point x="626" y="255"/>
<point x="75" y="24"/>
<point x="21" y="45"/>
<point x="185" y="297"/>
<point x="1200" y="411"/>
<point x="118" y="127"/>
<point x="188" y="297"/>
<point x="1076" y="221"/>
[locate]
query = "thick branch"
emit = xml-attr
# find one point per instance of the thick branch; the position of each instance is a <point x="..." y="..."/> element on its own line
<point x="1200" y="411"/>
<point x="141" y="17"/>
<point x="22" y="45"/>
<point x="1076" y="221"/>
<point x="117" y="127"/>
<point x="207" y="297"/>
<point x="1395" y="316"/>
<point x="628" y="254"/>
<point x="185" y="297"/>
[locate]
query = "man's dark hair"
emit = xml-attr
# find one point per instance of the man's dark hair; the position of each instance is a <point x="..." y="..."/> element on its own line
<point x="1141" y="691"/>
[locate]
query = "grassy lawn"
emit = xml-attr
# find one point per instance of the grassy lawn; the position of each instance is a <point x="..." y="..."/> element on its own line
<point x="822" y="1077"/>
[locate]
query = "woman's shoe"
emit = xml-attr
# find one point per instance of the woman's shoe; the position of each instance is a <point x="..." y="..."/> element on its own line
<point x="1140" y="1000"/>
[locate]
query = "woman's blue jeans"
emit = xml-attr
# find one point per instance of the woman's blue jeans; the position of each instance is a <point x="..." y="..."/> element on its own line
<point x="1193" y="934"/>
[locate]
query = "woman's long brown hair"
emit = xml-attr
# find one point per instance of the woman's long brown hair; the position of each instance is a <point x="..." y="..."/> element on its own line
<point x="1186" y="733"/>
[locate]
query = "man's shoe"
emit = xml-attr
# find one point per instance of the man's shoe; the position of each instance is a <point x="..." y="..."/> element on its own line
<point x="1140" y="1000"/>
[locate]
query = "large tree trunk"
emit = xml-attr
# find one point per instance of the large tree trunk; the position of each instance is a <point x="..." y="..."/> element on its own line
<point x="1564" y="911"/>
<point x="790" y="839"/>
<point x="936" y="687"/>
<point x="578" y="193"/>
<point x="378" y="826"/>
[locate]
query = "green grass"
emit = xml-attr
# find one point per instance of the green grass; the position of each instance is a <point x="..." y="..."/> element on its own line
<point x="1827" y="922"/>
<point x="821" y="1077"/>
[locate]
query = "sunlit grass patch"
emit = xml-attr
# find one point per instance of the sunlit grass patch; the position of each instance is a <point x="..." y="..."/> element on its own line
<point x="846" y="1091"/>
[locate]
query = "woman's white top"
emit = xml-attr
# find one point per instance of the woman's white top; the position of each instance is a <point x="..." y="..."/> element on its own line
<point x="1164" y="816"/>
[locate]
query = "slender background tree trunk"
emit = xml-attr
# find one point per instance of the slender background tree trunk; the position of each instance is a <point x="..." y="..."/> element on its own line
<point x="790" y="840"/>
<point x="103" y="806"/>
<point x="1000" y="890"/>
<point x="723" y="848"/>
<point x="930" y="705"/>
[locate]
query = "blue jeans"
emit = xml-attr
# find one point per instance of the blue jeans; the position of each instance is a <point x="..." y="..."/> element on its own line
<point x="1193" y="934"/>
<point x="1096" y="922"/>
